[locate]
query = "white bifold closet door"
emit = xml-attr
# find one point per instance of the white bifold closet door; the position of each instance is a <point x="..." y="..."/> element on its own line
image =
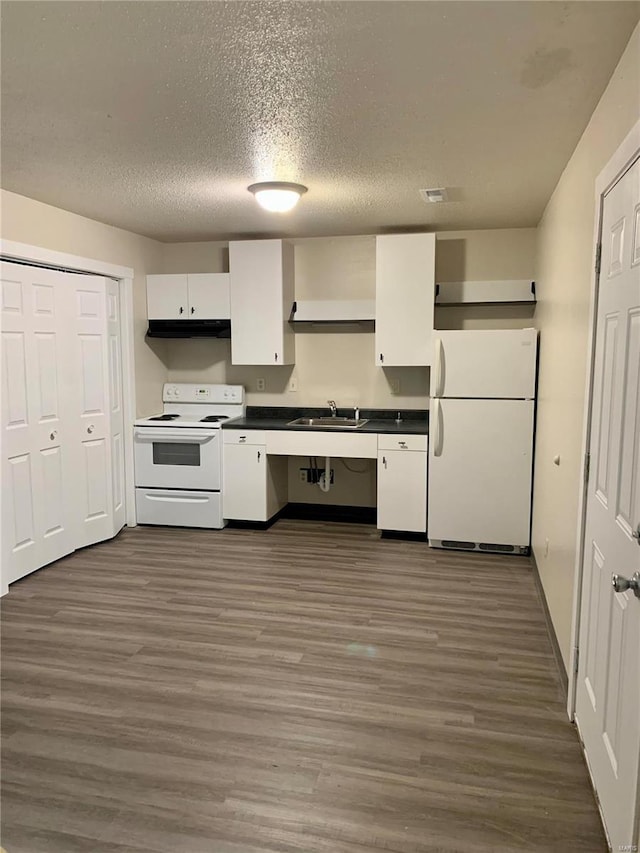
<point x="62" y="455"/>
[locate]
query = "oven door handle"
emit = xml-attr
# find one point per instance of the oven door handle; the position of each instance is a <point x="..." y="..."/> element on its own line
<point x="183" y="436"/>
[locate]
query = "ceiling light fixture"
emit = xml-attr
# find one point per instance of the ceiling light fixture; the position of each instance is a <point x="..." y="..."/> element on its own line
<point x="277" y="196"/>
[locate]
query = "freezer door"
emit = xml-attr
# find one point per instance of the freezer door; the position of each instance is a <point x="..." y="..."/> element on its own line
<point x="480" y="463"/>
<point x="485" y="364"/>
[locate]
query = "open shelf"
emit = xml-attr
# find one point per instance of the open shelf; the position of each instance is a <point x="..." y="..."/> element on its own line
<point x="506" y="292"/>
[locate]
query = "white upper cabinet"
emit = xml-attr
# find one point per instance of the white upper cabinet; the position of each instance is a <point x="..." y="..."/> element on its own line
<point x="167" y="297"/>
<point x="200" y="296"/>
<point x="262" y="293"/>
<point x="209" y="296"/>
<point x="405" y="291"/>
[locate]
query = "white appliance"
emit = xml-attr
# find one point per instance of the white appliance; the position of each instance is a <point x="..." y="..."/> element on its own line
<point x="178" y="455"/>
<point x="481" y="440"/>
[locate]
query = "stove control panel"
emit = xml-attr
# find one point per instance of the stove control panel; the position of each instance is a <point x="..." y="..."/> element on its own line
<point x="187" y="392"/>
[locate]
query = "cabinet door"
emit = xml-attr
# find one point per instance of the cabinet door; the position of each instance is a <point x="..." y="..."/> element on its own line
<point x="402" y="490"/>
<point x="89" y="335"/>
<point x="405" y="288"/>
<point x="261" y="280"/>
<point x="245" y="482"/>
<point x="167" y="297"/>
<point x="38" y="465"/>
<point x="209" y="296"/>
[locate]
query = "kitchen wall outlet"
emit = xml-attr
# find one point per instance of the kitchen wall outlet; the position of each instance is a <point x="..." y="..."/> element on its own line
<point x="303" y="475"/>
<point x="293" y="384"/>
<point x="546" y="548"/>
<point x="395" y="386"/>
<point x="260" y="384"/>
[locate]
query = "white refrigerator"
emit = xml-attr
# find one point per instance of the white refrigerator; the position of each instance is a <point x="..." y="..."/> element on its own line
<point x="481" y="439"/>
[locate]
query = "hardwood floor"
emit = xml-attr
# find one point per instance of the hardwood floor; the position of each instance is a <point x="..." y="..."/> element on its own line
<point x="305" y="689"/>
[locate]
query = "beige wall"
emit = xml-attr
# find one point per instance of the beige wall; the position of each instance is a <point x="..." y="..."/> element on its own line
<point x="507" y="253"/>
<point x="340" y="364"/>
<point x="565" y="253"/>
<point x="27" y="221"/>
<point x="335" y="364"/>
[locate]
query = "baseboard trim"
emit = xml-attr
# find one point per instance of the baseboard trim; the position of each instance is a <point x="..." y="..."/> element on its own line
<point x="403" y="534"/>
<point x="256" y="525"/>
<point x="562" y="672"/>
<point x="331" y="512"/>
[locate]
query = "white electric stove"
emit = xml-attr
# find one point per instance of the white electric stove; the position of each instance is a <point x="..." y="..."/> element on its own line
<point x="178" y="455"/>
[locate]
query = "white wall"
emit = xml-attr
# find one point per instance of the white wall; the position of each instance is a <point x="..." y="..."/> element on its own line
<point x="564" y="259"/>
<point x="27" y="221"/>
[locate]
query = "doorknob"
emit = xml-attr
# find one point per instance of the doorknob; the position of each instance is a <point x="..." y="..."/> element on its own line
<point x="622" y="584"/>
<point x="90" y="428"/>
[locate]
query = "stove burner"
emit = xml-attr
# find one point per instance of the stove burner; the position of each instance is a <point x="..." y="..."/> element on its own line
<point x="213" y="419"/>
<point x="164" y="418"/>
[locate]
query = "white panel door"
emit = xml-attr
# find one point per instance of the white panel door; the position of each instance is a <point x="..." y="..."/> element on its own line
<point x="480" y="463"/>
<point x="116" y="413"/>
<point x="92" y="418"/>
<point x="608" y="692"/>
<point x="167" y="297"/>
<point x="405" y="294"/>
<point x="485" y="364"/>
<point x="209" y="296"/>
<point x="38" y="522"/>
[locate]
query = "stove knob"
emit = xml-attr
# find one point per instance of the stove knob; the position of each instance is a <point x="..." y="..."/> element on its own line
<point x="176" y="392"/>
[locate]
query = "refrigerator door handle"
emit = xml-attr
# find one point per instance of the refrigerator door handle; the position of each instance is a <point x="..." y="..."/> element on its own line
<point x="437" y="428"/>
<point x="438" y="373"/>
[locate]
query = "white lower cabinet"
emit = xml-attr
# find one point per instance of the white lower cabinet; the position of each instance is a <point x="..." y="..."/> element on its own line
<point x="255" y="482"/>
<point x="402" y="483"/>
<point x="255" y="486"/>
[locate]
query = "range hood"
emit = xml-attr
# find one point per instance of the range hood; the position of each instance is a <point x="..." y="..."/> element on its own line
<point x="189" y="329"/>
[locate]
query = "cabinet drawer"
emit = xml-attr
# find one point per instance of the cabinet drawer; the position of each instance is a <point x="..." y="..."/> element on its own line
<point x="247" y="436"/>
<point x="178" y="507"/>
<point x="402" y="442"/>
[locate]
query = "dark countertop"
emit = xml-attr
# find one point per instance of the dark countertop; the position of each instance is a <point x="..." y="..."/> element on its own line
<point x="414" y="421"/>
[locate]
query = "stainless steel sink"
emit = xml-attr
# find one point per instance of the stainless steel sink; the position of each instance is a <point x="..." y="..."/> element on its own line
<point x="336" y="423"/>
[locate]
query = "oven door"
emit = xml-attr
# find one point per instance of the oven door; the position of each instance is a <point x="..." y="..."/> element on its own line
<point x="177" y="458"/>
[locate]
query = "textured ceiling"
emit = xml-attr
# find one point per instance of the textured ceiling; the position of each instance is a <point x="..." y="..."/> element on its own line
<point x="155" y="116"/>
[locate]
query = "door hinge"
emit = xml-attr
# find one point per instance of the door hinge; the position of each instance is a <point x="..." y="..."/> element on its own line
<point x="576" y="660"/>
<point x="587" y="466"/>
<point x="598" y="258"/>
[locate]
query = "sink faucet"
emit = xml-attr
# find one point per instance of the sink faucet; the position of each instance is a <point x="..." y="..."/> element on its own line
<point x="333" y="407"/>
